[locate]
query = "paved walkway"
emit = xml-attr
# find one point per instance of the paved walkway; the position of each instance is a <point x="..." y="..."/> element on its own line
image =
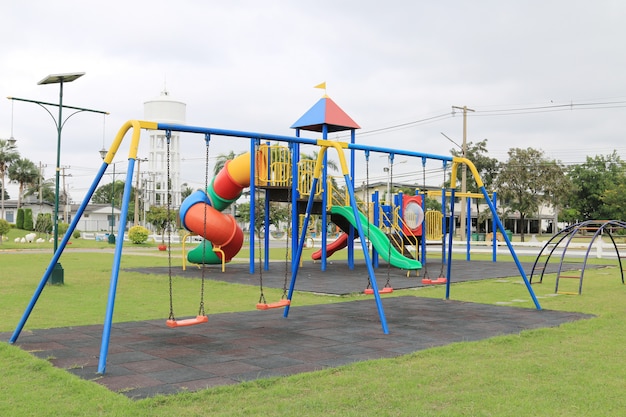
<point x="147" y="358"/>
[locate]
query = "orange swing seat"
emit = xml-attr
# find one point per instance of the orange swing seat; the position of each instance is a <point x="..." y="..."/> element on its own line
<point x="440" y="280"/>
<point x="278" y="304"/>
<point x="187" y="322"/>
<point x="385" y="290"/>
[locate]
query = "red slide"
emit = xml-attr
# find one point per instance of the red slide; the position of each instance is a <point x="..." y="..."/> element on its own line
<point x="340" y="243"/>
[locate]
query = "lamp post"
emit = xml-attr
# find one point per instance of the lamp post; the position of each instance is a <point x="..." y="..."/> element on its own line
<point x="59" y="79"/>
<point x="103" y="154"/>
<point x="5" y="159"/>
<point x="57" y="274"/>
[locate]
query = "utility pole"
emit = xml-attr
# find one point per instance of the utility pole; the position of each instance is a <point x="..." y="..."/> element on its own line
<point x="464" y="235"/>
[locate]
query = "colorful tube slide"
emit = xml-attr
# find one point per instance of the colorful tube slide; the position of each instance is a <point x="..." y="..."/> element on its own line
<point x="201" y="213"/>
<point x="378" y="238"/>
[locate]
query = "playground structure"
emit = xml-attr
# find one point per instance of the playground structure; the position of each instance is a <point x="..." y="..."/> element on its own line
<point x="564" y="240"/>
<point x="224" y="236"/>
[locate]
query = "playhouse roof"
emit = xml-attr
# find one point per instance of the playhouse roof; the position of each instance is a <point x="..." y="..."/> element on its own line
<point x="325" y="112"/>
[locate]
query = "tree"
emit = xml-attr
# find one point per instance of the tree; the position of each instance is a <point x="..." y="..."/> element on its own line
<point x="330" y="164"/>
<point x="222" y="159"/>
<point x="8" y="155"/>
<point x="596" y="186"/>
<point x="28" y="219"/>
<point x="525" y="181"/>
<point x="44" y="190"/>
<point x="24" y="172"/>
<point x="103" y="194"/>
<point x="186" y="191"/>
<point x="19" y="220"/>
<point x="158" y="217"/>
<point x="279" y="213"/>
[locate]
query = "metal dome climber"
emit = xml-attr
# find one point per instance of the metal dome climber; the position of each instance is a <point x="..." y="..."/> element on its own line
<point x="566" y="236"/>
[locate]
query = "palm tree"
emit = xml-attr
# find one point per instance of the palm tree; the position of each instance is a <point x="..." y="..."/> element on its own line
<point x="221" y="161"/>
<point x="8" y="155"/>
<point x="330" y="164"/>
<point x="45" y="190"/>
<point x="24" y="172"/>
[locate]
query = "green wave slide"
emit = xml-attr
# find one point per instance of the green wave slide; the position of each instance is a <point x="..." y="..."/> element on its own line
<point x="378" y="238"/>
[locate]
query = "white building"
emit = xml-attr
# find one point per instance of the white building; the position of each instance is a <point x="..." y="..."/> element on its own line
<point x="164" y="109"/>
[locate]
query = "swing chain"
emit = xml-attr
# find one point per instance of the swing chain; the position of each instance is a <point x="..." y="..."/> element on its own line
<point x="207" y="139"/>
<point x="287" y="250"/>
<point x="367" y="205"/>
<point x="262" y="295"/>
<point x="425" y="265"/>
<point x="387" y="284"/>
<point x="168" y="135"/>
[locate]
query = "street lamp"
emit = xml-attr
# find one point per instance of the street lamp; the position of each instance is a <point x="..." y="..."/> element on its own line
<point x="59" y="79"/>
<point x="57" y="273"/>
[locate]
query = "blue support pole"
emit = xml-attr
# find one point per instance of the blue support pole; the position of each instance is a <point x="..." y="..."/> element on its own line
<point x="57" y="254"/>
<point x="117" y="257"/>
<point x="510" y="246"/>
<point x="352" y="175"/>
<point x="468" y="228"/>
<point x="368" y="262"/>
<point x="324" y="236"/>
<point x="494" y="248"/>
<point x="295" y="159"/>
<point x="298" y="254"/>
<point x="450" y="239"/>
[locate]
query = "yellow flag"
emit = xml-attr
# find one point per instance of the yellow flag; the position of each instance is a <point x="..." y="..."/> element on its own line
<point x="322" y="85"/>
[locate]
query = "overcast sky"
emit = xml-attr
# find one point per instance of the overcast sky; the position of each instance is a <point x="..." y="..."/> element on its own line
<point x="538" y="73"/>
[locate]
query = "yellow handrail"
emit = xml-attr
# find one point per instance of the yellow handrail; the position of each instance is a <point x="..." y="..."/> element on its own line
<point x="434" y="226"/>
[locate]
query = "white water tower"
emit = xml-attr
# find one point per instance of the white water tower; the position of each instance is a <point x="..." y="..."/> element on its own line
<point x="164" y="109"/>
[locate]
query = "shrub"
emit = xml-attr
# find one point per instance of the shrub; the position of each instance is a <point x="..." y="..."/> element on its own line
<point x="138" y="234"/>
<point x="19" y="221"/>
<point x="76" y="234"/>
<point x="4" y="228"/>
<point x="44" y="223"/>
<point x="63" y="228"/>
<point x="28" y="220"/>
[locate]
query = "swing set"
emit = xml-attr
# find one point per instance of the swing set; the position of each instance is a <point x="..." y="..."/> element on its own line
<point x="323" y="145"/>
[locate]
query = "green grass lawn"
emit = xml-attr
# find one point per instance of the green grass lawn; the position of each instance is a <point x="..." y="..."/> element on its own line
<point x="577" y="369"/>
